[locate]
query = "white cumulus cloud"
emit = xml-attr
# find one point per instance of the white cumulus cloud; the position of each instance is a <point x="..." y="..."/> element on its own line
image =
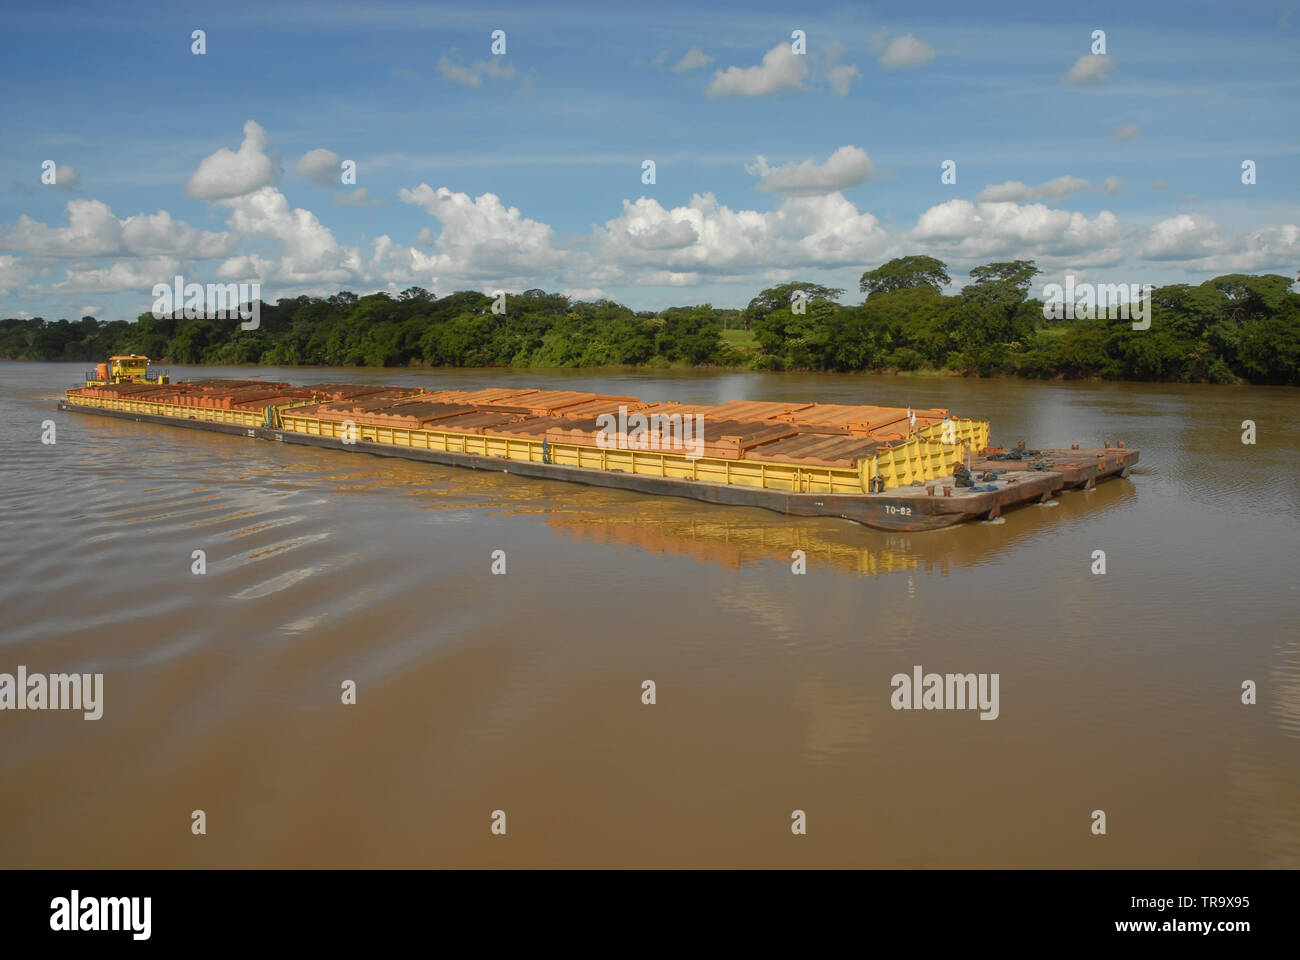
<point x="839" y="76"/>
<point x="1186" y="236"/>
<point x="707" y="236"/>
<point x="1202" y="244"/>
<point x="358" y="198"/>
<point x="137" y="274"/>
<point x="229" y="173"/>
<point x="481" y="237"/>
<point x="971" y="231"/>
<point x="308" y="250"/>
<point x="1275" y="249"/>
<point x="1089" y="68"/>
<point x="906" y="52"/>
<point x="93" y="231"/>
<point x="13" y="274"/>
<point x="246" y="268"/>
<point x="781" y="69"/>
<point x="847" y="167"/>
<point x="1014" y="191"/>
<point x="693" y="60"/>
<point x="320" y="166"/>
<point x="66" y="178"/>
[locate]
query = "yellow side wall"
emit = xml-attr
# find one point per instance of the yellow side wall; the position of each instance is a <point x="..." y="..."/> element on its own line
<point x="915" y="459"/>
<point x="922" y="458"/>
<point x="970" y="433"/>
<point x="243" y="418"/>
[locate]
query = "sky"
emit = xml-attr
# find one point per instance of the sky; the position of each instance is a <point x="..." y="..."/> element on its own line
<point x="483" y="170"/>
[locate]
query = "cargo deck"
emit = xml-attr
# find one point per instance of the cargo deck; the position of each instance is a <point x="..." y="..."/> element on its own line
<point x="885" y="467"/>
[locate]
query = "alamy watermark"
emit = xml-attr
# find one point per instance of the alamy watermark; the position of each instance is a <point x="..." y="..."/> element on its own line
<point x="75" y="913"/>
<point x="658" y="431"/>
<point x="213" y="301"/>
<point x="58" y="691"/>
<point x="1086" y="301"/>
<point x="946" y="691"/>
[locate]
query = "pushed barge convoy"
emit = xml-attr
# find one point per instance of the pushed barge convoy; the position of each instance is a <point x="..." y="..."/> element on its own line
<point x="886" y="467"/>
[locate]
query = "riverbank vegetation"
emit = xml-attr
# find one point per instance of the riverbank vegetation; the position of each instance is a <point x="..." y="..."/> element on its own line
<point x="1234" y="328"/>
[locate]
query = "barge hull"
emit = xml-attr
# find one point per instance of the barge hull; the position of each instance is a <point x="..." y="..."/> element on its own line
<point x="913" y="508"/>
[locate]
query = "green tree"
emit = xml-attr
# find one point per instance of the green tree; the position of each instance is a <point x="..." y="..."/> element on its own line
<point x="771" y="313"/>
<point x="783" y="295"/>
<point x="1004" y="283"/>
<point x="903" y="273"/>
<point x="693" y="337"/>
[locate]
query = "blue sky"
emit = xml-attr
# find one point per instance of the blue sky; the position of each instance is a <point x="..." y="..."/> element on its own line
<point x="525" y="170"/>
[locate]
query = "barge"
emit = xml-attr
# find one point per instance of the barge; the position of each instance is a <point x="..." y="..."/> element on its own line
<point x="890" y="468"/>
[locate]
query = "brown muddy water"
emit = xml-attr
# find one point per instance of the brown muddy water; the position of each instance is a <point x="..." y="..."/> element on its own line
<point x="523" y="693"/>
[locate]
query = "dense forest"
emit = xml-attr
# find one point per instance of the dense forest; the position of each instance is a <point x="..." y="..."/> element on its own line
<point x="1230" y="329"/>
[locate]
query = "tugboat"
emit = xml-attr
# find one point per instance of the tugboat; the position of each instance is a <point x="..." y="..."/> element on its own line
<point x="126" y="368"/>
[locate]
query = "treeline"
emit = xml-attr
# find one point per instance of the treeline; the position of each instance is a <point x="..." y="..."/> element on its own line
<point x="538" y="329"/>
<point x="1233" y="328"/>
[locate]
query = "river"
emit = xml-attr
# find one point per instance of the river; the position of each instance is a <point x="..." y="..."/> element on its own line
<point x="522" y="693"/>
